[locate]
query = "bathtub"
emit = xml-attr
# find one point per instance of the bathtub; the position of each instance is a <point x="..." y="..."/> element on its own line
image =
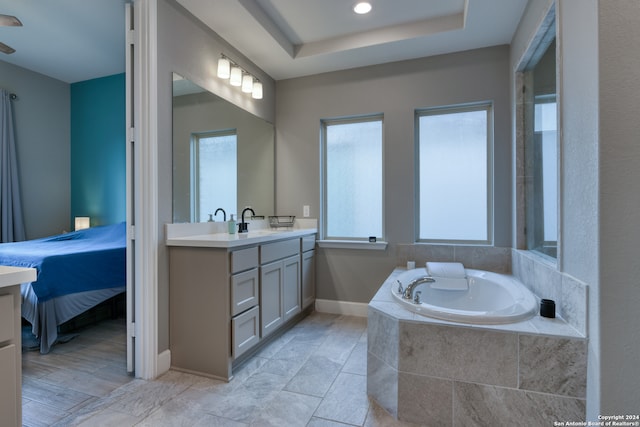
<point x="492" y="298"/>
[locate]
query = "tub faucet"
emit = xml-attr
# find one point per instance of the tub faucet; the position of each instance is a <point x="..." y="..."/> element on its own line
<point x="242" y="227"/>
<point x="408" y="291"/>
<point x="224" y="214"/>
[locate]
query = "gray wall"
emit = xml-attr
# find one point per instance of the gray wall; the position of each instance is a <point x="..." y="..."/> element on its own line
<point x="396" y="90"/>
<point x="43" y="129"/>
<point x="189" y="48"/>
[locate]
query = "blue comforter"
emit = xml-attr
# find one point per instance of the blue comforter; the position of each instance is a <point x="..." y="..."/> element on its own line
<point x="85" y="260"/>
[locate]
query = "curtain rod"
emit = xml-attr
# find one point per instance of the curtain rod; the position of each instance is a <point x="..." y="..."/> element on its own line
<point x="13" y="96"/>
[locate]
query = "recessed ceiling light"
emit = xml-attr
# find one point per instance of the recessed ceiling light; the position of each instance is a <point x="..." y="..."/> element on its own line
<point x="362" y="8"/>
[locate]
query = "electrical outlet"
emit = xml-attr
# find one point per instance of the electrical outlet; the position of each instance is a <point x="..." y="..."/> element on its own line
<point x="305" y="211"/>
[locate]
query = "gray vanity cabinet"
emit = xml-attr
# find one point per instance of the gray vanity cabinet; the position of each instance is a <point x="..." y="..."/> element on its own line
<point x="308" y="278"/>
<point x="271" y="315"/>
<point x="225" y="301"/>
<point x="291" y="286"/>
<point x="245" y="298"/>
<point x="200" y="311"/>
<point x="279" y="283"/>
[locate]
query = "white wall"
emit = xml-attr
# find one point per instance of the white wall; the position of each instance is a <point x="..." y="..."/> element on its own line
<point x="43" y="132"/>
<point x="396" y="90"/>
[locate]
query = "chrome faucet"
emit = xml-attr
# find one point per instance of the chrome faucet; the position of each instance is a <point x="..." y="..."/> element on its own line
<point x="408" y="291"/>
<point x="242" y="227"/>
<point x="224" y="214"/>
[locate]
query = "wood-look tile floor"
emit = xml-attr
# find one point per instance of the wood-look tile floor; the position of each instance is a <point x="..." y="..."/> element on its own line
<point x="314" y="375"/>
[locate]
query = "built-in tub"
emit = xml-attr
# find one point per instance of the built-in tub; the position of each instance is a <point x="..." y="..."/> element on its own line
<point x="491" y="298"/>
<point x="431" y="371"/>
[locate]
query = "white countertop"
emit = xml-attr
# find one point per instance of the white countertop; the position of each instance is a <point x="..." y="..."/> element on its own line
<point x="211" y="235"/>
<point x="226" y="240"/>
<point x="10" y="276"/>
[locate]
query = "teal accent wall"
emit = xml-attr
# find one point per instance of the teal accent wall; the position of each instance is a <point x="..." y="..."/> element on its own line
<point x="98" y="150"/>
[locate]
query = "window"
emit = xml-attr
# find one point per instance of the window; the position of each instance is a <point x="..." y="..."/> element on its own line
<point x="352" y="178"/>
<point x="454" y="174"/>
<point x="215" y="170"/>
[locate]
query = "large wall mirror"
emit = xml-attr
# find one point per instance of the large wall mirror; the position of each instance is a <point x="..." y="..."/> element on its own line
<point x="541" y="148"/>
<point x="223" y="157"/>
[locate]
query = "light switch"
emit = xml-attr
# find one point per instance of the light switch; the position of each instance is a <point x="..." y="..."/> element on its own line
<point x="305" y="211"/>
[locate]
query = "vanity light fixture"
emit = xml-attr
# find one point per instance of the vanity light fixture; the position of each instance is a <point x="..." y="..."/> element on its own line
<point x="247" y="83"/>
<point x="224" y="67"/>
<point x="236" y="76"/>
<point x="362" y="7"/>
<point x="227" y="69"/>
<point x="256" y="93"/>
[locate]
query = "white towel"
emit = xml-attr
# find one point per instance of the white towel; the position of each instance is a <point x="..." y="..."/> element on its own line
<point x="446" y="269"/>
<point x="449" y="276"/>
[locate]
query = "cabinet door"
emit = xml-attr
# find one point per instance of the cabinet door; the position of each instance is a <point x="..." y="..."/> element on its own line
<point x="271" y="310"/>
<point x="308" y="278"/>
<point x="291" y="287"/>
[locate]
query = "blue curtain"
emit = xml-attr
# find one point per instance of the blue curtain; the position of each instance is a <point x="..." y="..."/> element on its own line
<point x="12" y="226"/>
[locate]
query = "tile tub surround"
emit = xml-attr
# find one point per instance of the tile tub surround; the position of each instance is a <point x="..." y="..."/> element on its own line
<point x="489" y="258"/>
<point x="544" y="280"/>
<point x="427" y="370"/>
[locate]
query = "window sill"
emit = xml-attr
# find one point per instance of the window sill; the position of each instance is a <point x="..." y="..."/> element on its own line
<point x="352" y="244"/>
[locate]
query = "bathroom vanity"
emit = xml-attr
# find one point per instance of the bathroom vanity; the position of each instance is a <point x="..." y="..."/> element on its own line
<point x="11" y="342"/>
<point x="228" y="293"/>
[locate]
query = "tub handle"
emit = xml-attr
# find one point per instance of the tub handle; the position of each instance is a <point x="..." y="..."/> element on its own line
<point x="400" y="288"/>
<point x="416" y="298"/>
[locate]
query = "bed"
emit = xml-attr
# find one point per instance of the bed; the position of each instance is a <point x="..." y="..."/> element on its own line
<point x="76" y="271"/>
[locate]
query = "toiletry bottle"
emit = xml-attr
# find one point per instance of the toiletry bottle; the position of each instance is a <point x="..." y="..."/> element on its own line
<point x="232" y="225"/>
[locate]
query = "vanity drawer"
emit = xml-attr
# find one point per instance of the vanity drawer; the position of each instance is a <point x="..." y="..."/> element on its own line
<point x="244" y="259"/>
<point x="244" y="291"/>
<point x="278" y="250"/>
<point x="6" y="318"/>
<point x="245" y="331"/>
<point x="308" y="242"/>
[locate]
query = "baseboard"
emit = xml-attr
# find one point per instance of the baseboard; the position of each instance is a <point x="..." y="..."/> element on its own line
<point x="164" y="362"/>
<point x="342" y="307"/>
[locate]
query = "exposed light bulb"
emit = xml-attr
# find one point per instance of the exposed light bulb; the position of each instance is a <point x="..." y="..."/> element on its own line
<point x="362" y="8"/>
<point x="236" y="76"/>
<point x="247" y="83"/>
<point x="257" y="90"/>
<point x="224" y="68"/>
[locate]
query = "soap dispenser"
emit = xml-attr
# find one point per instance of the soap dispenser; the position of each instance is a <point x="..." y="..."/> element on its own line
<point x="232" y="225"/>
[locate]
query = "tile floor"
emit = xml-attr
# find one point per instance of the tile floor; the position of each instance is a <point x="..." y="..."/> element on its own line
<point x="314" y="375"/>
